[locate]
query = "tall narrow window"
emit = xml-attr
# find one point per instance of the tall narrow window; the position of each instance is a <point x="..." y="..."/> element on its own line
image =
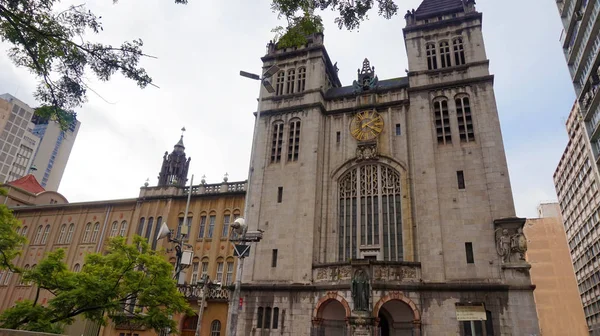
<point x="301" y="79"/>
<point x="275" y="317"/>
<point x="259" y="317"/>
<point x="211" y="226"/>
<point x="215" y="328"/>
<point x="370" y="212"/>
<point x="291" y="79"/>
<point x="279" y="194"/>
<point x="460" y="177"/>
<point x="442" y="122"/>
<point x="24" y="231"/>
<point x="294" y="141"/>
<point x="70" y="233"/>
<point x="225" y="232"/>
<point x="465" y="121"/>
<point x="156" y="229"/>
<point x="76" y="268"/>
<point x="220" y="271"/>
<point x="338" y="137"/>
<point x="469" y="253"/>
<point x="431" y="57"/>
<point x="149" y="229"/>
<point x="38" y="235"/>
<point x="95" y="232"/>
<point x="114" y="229"/>
<point x="445" y="54"/>
<point x="459" y="51"/>
<point x="398" y="129"/>
<point x="202" y="227"/>
<point x="123" y="230"/>
<point x="274" y="258"/>
<point x="229" y="278"/>
<point x="87" y="233"/>
<point x="179" y="226"/>
<point x="267" y="323"/>
<point x="204" y="269"/>
<point x="140" y="230"/>
<point x="62" y="234"/>
<point x="195" y="269"/>
<point x="277" y="142"/>
<point x="45" y="236"/>
<point x="279" y="83"/>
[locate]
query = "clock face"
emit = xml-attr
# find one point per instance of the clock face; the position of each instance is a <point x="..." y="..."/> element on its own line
<point x="366" y="125"/>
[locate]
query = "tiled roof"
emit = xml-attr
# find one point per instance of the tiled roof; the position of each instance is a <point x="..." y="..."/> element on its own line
<point x="431" y="8"/>
<point x="28" y="183"/>
<point x="338" y="92"/>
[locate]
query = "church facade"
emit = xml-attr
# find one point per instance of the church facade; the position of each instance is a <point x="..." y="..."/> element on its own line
<point x="386" y="205"/>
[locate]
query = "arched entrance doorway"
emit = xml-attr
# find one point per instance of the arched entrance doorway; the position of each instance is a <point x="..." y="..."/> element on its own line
<point x="396" y="318"/>
<point x="189" y="325"/>
<point x="331" y="319"/>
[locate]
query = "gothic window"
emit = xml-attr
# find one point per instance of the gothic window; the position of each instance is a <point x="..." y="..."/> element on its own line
<point x="114" y="229"/>
<point x="70" y="233"/>
<point x="301" y="79"/>
<point x="62" y="233"/>
<point x="431" y="57"/>
<point x="442" y="121"/>
<point x="95" y="232"/>
<point x="140" y="230"/>
<point x="215" y="328"/>
<point x="277" y="142"/>
<point x="279" y="83"/>
<point x="76" y="268"/>
<point x="225" y="232"/>
<point x="22" y="281"/>
<point x="291" y="79"/>
<point x="465" y="122"/>
<point x="149" y="228"/>
<point x="259" y="317"/>
<point x="459" y="51"/>
<point x="275" y="317"/>
<point x="45" y="236"/>
<point x="86" y="233"/>
<point x="202" y="226"/>
<point x="267" y="321"/>
<point x="294" y="140"/>
<point x="156" y="228"/>
<point x="220" y="270"/>
<point x="195" y="268"/>
<point x="445" y="54"/>
<point x="123" y="230"/>
<point x="211" y="226"/>
<point x="24" y="231"/>
<point x="229" y="276"/>
<point x="38" y="234"/>
<point x="370" y="212"/>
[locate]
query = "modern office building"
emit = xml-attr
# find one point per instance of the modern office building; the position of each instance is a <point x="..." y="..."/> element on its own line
<point x="17" y="143"/>
<point x="53" y="151"/>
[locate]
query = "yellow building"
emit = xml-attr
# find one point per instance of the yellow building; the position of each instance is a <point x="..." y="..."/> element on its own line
<point x="50" y="222"/>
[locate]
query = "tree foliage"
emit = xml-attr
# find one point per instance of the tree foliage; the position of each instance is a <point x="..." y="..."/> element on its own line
<point x="127" y="283"/>
<point x="10" y="240"/>
<point x="302" y="20"/>
<point x="53" y="45"/>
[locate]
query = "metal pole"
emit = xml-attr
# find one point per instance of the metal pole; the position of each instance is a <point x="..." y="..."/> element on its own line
<point x="201" y="304"/>
<point x="233" y="305"/>
<point x="179" y="240"/>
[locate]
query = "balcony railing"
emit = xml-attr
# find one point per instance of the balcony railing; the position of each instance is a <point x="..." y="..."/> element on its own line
<point x="194" y="292"/>
<point x="216" y="188"/>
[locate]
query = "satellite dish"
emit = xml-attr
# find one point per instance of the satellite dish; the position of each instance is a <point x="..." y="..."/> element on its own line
<point x="163" y="232"/>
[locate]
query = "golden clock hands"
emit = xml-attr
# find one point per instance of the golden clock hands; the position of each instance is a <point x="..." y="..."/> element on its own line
<point x="367" y="124"/>
<point x="373" y="128"/>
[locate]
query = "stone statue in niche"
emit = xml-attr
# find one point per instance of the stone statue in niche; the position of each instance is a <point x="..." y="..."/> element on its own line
<point x="361" y="291"/>
<point x="508" y="244"/>
<point x="518" y="243"/>
<point x="503" y="244"/>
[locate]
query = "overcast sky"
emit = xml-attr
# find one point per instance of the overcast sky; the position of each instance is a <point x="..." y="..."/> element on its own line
<point x="200" y="48"/>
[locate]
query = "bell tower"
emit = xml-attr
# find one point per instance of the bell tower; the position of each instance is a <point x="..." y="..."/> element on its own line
<point x="175" y="167"/>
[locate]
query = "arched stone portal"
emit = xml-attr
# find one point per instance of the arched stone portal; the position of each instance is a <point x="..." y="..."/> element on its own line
<point x="331" y="316"/>
<point x="397" y="315"/>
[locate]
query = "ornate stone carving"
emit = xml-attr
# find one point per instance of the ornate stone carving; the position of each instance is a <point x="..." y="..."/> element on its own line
<point x="361" y="290"/>
<point x="321" y="273"/>
<point x="366" y="152"/>
<point x="367" y="80"/>
<point x="345" y="272"/>
<point x="511" y="243"/>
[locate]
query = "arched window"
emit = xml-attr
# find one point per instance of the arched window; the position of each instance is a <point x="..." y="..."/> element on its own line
<point x="445" y="54"/>
<point x="149" y="228"/>
<point x="226" y="219"/>
<point x="95" y="232"/>
<point x="291" y="79"/>
<point x="38" y="235"/>
<point x="156" y="228"/>
<point x="45" y="236"/>
<point x="114" y="229"/>
<point x="202" y="227"/>
<point x="275" y="317"/>
<point x="277" y="141"/>
<point x="86" y="233"/>
<point x="70" y="233"/>
<point x="229" y="276"/>
<point x="267" y="322"/>
<point x="294" y="140"/>
<point x="8" y="277"/>
<point x="431" y="57"/>
<point x="62" y="234"/>
<point x="215" y="328"/>
<point x="220" y="269"/>
<point x="24" y="231"/>
<point x="259" y="317"/>
<point x="279" y="83"/>
<point x="211" y="225"/>
<point x="195" y="269"/>
<point x="301" y="79"/>
<point x="459" y="51"/>
<point x="140" y="229"/>
<point x="22" y="280"/>
<point x="204" y="268"/>
<point x="123" y="230"/>
<point x="370" y="212"/>
<point x="76" y="268"/>
<point x="442" y="121"/>
<point x="465" y="121"/>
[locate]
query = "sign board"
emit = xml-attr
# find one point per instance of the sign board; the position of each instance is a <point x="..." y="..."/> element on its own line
<point x="241" y="251"/>
<point x="471" y="312"/>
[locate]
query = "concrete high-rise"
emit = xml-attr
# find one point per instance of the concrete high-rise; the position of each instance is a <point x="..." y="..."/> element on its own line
<point x="17" y="143"/>
<point x="54" y="150"/>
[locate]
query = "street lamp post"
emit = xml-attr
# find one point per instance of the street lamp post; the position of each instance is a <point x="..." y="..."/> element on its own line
<point x="207" y="285"/>
<point x="232" y="316"/>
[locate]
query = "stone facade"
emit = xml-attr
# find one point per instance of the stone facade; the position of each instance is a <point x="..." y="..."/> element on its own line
<point x="404" y="180"/>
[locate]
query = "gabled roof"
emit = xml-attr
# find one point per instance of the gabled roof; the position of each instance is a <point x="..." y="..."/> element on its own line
<point x="432" y="8"/>
<point x="28" y="183"/>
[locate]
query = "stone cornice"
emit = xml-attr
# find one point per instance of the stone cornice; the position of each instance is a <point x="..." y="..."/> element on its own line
<point x="446" y="85"/>
<point x="380" y="285"/>
<point x="444" y="23"/>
